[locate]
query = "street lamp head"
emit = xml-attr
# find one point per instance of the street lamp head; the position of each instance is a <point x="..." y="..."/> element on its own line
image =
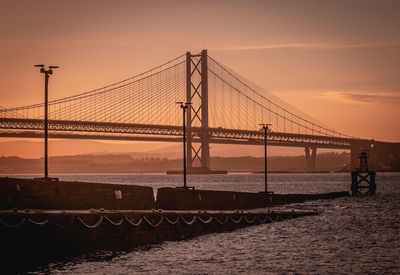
<point x="43" y="70"/>
<point x="265" y="126"/>
<point x="183" y="105"/>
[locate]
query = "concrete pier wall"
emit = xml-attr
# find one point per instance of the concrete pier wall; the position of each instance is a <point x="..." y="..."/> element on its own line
<point x="39" y="194"/>
<point x="189" y="199"/>
<point x="40" y="220"/>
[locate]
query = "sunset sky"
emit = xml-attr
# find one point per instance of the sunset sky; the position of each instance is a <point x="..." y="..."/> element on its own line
<point x="338" y="61"/>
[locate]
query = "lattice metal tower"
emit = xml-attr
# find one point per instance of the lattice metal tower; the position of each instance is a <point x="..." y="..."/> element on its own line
<point x="363" y="178"/>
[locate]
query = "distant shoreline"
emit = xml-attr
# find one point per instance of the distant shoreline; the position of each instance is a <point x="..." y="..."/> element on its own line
<point x="125" y="164"/>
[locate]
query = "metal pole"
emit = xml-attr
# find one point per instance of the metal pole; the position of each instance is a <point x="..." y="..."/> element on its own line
<point x="46" y="121"/>
<point x="185" y="107"/>
<point x="266" y="129"/>
<point x="184" y="144"/>
<point x="47" y="74"/>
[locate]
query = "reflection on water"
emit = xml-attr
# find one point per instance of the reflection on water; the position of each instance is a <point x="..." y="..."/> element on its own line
<point x="352" y="235"/>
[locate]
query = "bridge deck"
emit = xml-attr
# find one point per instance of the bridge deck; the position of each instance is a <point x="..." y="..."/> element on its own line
<point x="32" y="128"/>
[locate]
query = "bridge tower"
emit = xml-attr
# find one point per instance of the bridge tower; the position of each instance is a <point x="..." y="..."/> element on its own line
<point x="198" y="155"/>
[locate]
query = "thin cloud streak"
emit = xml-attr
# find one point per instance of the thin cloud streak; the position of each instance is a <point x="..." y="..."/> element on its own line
<point x="370" y="98"/>
<point x="312" y="46"/>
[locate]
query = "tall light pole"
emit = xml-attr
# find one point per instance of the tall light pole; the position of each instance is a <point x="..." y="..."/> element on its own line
<point x="184" y="106"/>
<point x="266" y="130"/>
<point x="47" y="74"/>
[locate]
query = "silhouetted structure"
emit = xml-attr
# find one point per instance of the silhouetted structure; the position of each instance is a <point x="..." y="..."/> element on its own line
<point x="265" y="128"/>
<point x="47" y="74"/>
<point x="362" y="178"/>
<point x="185" y="107"/>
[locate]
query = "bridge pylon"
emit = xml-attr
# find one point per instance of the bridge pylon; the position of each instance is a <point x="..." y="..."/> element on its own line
<point x="198" y="155"/>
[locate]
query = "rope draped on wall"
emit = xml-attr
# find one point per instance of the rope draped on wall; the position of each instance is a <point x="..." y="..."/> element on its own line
<point x="150" y="220"/>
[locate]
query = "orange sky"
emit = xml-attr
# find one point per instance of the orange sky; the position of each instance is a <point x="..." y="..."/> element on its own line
<point x="338" y="61"/>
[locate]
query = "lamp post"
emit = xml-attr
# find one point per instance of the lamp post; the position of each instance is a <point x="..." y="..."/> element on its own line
<point x="184" y="106"/>
<point x="266" y="130"/>
<point x="47" y="74"/>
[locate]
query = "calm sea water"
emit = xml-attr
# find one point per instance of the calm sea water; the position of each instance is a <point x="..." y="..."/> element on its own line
<point x="352" y="235"/>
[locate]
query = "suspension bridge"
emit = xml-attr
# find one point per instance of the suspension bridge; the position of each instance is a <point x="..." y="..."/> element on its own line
<point x="226" y="108"/>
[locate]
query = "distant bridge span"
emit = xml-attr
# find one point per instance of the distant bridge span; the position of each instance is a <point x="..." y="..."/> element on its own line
<point x="33" y="128"/>
<point x="225" y="109"/>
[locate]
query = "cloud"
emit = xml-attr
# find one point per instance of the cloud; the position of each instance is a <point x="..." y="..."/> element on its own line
<point x="370" y="98"/>
<point x="313" y="46"/>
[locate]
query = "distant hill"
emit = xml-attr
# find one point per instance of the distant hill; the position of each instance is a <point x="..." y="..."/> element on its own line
<point x="34" y="149"/>
<point x="125" y="163"/>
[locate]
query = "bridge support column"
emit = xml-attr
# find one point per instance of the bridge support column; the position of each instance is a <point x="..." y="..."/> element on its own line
<point x="198" y="157"/>
<point x="205" y="144"/>
<point x="188" y="111"/>
<point x="311" y="158"/>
